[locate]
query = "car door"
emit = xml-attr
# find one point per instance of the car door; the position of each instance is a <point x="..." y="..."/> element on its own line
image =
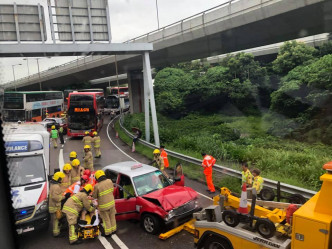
<point x="125" y="204"/>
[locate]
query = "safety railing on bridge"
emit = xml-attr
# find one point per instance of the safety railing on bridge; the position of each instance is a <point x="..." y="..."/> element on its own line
<point x="227" y="171"/>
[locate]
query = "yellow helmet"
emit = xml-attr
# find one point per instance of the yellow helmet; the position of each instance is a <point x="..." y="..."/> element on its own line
<point x="87" y="133"/>
<point x="95" y="133"/>
<point x="53" y="127"/>
<point x="73" y="154"/>
<point x="99" y="173"/>
<point x="75" y="162"/>
<point x="58" y="175"/>
<point x="62" y="114"/>
<point x="87" y="147"/>
<point x="67" y="166"/>
<point x="156" y="151"/>
<point x="88" y="188"/>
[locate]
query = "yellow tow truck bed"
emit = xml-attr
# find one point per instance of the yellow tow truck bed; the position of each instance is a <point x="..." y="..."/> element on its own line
<point x="219" y="234"/>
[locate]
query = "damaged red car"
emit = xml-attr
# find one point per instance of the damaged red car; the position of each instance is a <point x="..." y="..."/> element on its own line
<point x="143" y="193"/>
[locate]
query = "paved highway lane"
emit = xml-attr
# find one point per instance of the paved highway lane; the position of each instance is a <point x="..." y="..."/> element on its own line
<point x="129" y="233"/>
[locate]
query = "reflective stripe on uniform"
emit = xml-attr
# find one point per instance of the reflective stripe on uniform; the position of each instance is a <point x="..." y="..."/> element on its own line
<point x="107" y="204"/>
<point x="53" y="209"/>
<point x="97" y="143"/>
<point x="70" y="210"/>
<point x="107" y="191"/>
<point x="77" y="201"/>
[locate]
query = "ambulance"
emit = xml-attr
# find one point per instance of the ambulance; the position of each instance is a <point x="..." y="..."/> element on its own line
<point x="27" y="149"/>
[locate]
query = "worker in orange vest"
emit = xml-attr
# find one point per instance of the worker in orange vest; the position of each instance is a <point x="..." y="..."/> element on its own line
<point x="208" y="162"/>
<point x="163" y="155"/>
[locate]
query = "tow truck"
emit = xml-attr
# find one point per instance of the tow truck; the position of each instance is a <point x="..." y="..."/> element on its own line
<point x="311" y="225"/>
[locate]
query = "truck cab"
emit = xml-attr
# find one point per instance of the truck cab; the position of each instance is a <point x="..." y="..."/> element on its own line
<point x="27" y="149"/>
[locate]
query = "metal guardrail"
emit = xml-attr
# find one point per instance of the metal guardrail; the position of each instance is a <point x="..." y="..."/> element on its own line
<point x="227" y="171"/>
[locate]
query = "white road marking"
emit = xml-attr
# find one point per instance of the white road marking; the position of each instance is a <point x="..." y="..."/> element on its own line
<point x="104" y="242"/>
<point x="207" y="197"/>
<point x="115" y="144"/>
<point x="61" y="161"/>
<point x="119" y="242"/>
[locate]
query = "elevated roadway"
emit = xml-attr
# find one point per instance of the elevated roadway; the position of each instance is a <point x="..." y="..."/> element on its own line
<point x="234" y="26"/>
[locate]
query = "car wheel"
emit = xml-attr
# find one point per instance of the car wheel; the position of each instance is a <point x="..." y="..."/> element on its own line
<point x="265" y="227"/>
<point x="231" y="218"/>
<point x="267" y="194"/>
<point x="151" y="224"/>
<point x="297" y="199"/>
<point x="215" y="242"/>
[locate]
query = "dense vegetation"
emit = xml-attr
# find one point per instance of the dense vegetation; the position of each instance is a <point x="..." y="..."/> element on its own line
<point x="275" y="115"/>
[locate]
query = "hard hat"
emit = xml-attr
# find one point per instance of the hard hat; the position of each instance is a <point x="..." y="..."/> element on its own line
<point x="95" y="133"/>
<point x="58" y="175"/>
<point x="75" y="162"/>
<point x="67" y="166"/>
<point x="53" y="127"/>
<point x="85" y="178"/>
<point x="156" y="151"/>
<point x="62" y="114"/>
<point x="99" y="173"/>
<point x="87" y="147"/>
<point x="88" y="188"/>
<point x="87" y="133"/>
<point x="73" y="154"/>
<point x="87" y="172"/>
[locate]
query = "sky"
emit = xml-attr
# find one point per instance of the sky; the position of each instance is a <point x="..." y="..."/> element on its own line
<point x="129" y="19"/>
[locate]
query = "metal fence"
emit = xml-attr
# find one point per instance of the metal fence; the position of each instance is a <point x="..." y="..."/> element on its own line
<point x="227" y="171"/>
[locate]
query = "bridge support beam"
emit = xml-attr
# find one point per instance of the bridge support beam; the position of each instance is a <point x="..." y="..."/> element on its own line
<point x="136" y="88"/>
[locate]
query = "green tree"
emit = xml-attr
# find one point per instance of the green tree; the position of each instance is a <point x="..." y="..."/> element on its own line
<point x="291" y="55"/>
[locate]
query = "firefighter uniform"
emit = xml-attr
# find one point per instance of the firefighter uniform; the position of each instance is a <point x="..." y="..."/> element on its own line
<point x="87" y="140"/>
<point x="54" y="201"/>
<point x="103" y="191"/>
<point x="77" y="171"/>
<point x="96" y="144"/>
<point x="208" y="162"/>
<point x="88" y="161"/>
<point x="72" y="209"/>
<point x="158" y="162"/>
<point x="66" y="182"/>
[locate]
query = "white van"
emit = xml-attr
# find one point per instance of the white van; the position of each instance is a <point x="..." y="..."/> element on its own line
<point x="27" y="149"/>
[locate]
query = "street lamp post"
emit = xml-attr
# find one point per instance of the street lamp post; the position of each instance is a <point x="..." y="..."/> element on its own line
<point x="157" y="13"/>
<point x="13" y="67"/>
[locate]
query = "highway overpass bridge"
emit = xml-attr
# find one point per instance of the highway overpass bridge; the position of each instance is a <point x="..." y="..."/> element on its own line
<point x="236" y="25"/>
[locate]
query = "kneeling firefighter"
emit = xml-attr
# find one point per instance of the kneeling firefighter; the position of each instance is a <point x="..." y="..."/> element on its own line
<point x="72" y="208"/>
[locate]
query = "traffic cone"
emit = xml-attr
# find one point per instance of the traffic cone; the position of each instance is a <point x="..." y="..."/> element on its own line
<point x="116" y="134"/>
<point x="133" y="148"/>
<point x="243" y="208"/>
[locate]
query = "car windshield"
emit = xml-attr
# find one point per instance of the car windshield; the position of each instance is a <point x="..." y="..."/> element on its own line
<point x="25" y="170"/>
<point x="81" y="121"/>
<point x="150" y="182"/>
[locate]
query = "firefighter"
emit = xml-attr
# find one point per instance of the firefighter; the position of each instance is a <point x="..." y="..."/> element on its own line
<point x="72" y="208"/>
<point x="77" y="186"/>
<point x="103" y="191"/>
<point x="208" y="162"/>
<point x="60" y="132"/>
<point x="258" y="180"/>
<point x="72" y="155"/>
<point x="246" y="175"/>
<point x="66" y="182"/>
<point x="54" y="201"/>
<point x="158" y="162"/>
<point x="96" y="144"/>
<point x="163" y="154"/>
<point x="77" y="170"/>
<point x="54" y="136"/>
<point x="87" y="139"/>
<point x="88" y="158"/>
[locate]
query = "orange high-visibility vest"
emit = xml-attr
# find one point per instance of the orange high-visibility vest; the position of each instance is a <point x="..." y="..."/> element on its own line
<point x="163" y="154"/>
<point x="71" y="188"/>
<point x="207" y="164"/>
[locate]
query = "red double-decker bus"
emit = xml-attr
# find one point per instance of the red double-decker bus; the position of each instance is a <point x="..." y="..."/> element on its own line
<point x="85" y="112"/>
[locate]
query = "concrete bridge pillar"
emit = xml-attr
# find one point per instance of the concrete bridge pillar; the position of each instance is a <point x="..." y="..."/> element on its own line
<point x="136" y="91"/>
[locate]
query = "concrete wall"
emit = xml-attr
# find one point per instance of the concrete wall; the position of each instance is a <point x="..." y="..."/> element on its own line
<point x="136" y="91"/>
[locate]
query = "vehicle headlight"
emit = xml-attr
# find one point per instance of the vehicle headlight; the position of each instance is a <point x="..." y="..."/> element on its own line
<point x="41" y="207"/>
<point x="170" y="215"/>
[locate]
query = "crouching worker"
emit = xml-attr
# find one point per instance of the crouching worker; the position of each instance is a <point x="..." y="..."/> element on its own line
<point x="72" y="208"/>
<point x="54" y="202"/>
<point x="103" y="192"/>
